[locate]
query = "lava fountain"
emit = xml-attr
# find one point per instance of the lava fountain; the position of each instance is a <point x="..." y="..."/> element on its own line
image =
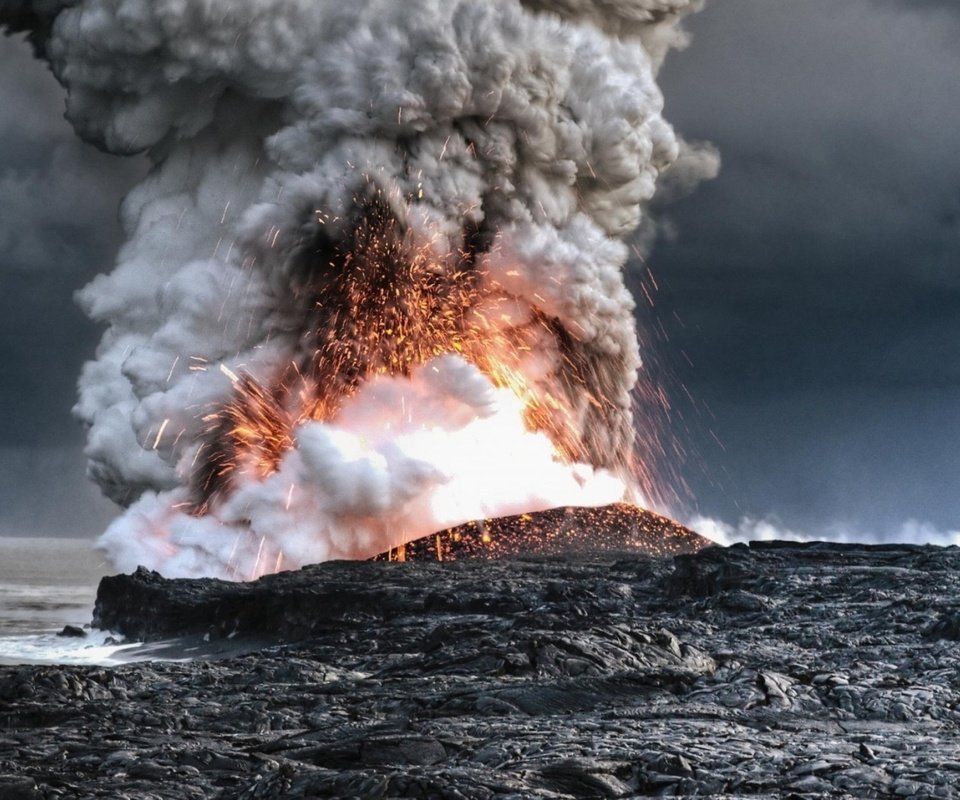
<point x="373" y="285"/>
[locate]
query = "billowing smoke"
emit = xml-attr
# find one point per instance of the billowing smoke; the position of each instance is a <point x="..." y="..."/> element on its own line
<point x="373" y="284"/>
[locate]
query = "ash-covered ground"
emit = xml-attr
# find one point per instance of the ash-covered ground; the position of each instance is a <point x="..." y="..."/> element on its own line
<point x="774" y="670"/>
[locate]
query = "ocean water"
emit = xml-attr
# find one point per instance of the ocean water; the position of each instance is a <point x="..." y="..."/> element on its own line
<point x="44" y="585"/>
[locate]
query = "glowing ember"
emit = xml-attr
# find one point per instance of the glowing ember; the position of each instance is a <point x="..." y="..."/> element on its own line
<point x="373" y="286"/>
<point x="378" y="304"/>
<point x="614" y="528"/>
<point x="422" y="395"/>
<point x="403" y="458"/>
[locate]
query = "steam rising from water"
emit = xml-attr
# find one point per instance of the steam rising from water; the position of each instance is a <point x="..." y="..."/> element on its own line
<point x="514" y="141"/>
<point x="750" y="529"/>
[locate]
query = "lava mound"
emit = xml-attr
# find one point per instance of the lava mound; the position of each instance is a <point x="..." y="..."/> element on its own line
<point x="621" y="527"/>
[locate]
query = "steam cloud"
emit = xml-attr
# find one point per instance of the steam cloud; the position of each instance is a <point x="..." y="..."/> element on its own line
<point x="750" y="529"/>
<point x="508" y="146"/>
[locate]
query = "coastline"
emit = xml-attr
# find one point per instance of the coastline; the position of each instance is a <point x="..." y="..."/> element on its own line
<point x="773" y="669"/>
<point x="45" y="584"/>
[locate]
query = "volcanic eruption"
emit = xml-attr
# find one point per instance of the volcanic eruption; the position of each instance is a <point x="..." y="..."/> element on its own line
<point x="373" y="285"/>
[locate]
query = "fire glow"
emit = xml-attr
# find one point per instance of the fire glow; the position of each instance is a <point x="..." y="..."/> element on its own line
<point x="423" y="394"/>
<point x="408" y="412"/>
<point x="380" y="308"/>
<point x="373" y="284"/>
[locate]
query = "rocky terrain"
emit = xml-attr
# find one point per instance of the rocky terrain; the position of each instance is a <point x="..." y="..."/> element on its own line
<point x="774" y="670"/>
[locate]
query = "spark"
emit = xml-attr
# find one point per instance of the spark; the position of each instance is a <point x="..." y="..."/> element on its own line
<point x="163" y="427"/>
<point x="233" y="551"/>
<point x="377" y="302"/>
<point x="653" y="280"/>
<point x="647" y="294"/>
<point x="256" y="564"/>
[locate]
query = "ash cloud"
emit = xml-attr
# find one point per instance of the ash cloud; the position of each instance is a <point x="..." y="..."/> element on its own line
<point x="540" y="134"/>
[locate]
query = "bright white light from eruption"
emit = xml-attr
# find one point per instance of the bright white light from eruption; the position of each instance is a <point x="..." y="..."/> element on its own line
<point x="476" y="165"/>
<point x="405" y="457"/>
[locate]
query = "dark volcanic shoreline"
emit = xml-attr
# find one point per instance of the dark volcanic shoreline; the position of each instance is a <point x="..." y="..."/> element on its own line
<point x="773" y="670"/>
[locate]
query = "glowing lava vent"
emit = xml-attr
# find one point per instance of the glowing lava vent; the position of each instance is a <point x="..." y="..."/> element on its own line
<point x="383" y="310"/>
<point x="424" y="395"/>
<point x="373" y="284"/>
<point x="560" y="531"/>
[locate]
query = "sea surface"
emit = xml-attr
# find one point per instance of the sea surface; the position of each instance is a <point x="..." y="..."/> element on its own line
<point x="44" y="585"/>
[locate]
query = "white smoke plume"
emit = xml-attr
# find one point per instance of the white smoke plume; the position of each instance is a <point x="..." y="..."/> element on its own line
<point x="503" y="148"/>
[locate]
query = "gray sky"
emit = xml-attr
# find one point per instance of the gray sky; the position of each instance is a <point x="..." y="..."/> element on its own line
<point x="58" y="209"/>
<point x="815" y="285"/>
<point x="819" y="276"/>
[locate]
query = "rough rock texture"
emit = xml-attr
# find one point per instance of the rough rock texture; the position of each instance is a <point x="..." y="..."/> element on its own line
<point x="775" y="670"/>
<point x="620" y="527"/>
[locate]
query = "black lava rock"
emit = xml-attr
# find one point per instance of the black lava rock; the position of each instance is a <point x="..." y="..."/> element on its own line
<point x="17" y="787"/>
<point x="769" y="670"/>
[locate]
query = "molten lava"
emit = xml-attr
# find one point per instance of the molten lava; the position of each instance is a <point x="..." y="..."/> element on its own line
<point x="378" y="303"/>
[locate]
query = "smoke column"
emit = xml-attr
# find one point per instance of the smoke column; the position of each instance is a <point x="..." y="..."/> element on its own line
<point x="372" y="286"/>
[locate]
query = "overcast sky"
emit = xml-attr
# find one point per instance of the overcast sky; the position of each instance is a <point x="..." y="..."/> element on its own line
<point x="58" y="209"/>
<point x="819" y="276"/>
<point x="814" y="286"/>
